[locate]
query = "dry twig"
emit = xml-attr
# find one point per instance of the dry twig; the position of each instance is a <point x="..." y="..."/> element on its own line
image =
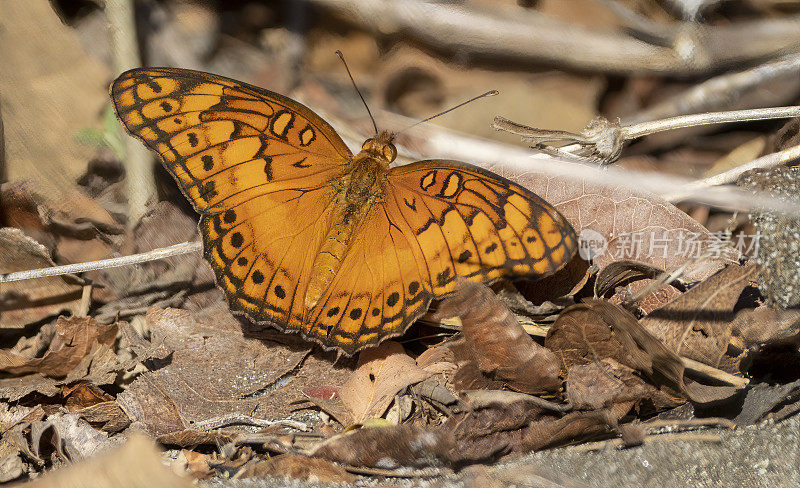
<point x="533" y="37"/>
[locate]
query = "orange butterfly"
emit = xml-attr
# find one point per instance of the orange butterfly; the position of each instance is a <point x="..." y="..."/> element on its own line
<point x="304" y="235"/>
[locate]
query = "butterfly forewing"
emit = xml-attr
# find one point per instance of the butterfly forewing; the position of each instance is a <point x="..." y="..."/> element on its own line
<point x="225" y="141"/>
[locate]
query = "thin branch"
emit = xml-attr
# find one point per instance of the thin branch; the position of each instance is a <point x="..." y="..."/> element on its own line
<point x="161" y="253"/>
<point x="713" y="373"/>
<point x="721" y="92"/>
<point x="238" y="419"/>
<point x="730" y="176"/>
<point x="682" y="121"/>
<point x="513" y="33"/>
<point x="602" y="141"/>
<point x="620" y="444"/>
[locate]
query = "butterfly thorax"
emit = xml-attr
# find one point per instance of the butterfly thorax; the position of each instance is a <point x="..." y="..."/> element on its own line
<point x="359" y="189"/>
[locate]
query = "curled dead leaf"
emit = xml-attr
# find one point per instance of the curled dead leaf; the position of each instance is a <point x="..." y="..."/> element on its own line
<point x="766" y="325"/>
<point x="495" y="345"/>
<point x="595" y="330"/>
<point x="697" y="324"/>
<point x="28" y="301"/>
<point x="381" y="373"/>
<point x="81" y="349"/>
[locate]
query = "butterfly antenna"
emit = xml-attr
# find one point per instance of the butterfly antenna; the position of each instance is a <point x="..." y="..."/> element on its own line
<point x="489" y="93"/>
<point x="341" y="56"/>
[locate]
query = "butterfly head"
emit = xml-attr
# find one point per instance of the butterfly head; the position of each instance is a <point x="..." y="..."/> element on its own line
<point x="381" y="146"/>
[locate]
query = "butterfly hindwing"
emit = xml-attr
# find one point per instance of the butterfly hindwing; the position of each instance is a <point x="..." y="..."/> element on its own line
<point x="470" y="222"/>
<point x="263" y="263"/>
<point x="378" y="291"/>
<point x="225" y="141"/>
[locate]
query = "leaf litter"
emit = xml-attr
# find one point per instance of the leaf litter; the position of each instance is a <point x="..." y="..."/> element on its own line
<point x="201" y="377"/>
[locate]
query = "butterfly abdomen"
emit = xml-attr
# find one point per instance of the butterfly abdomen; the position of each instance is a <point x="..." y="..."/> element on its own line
<point x="355" y="198"/>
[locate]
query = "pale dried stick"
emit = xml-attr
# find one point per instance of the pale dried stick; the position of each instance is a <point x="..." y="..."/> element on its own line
<point x="730" y="176"/>
<point x="720" y="92"/>
<point x="161" y="253"/>
<point x="514" y="33"/>
<point x="671" y="437"/>
<point x="641" y="129"/>
<point x="710" y="372"/>
<point x="140" y="182"/>
<point x="602" y="141"/>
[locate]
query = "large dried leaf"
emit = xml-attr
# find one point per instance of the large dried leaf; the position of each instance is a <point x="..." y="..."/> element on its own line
<point x="382" y="372"/>
<point x="763" y="398"/>
<point x="474" y="435"/>
<point x="214" y="372"/>
<point x="495" y="345"/>
<point x="485" y="432"/>
<point x="595" y="330"/>
<point x="28" y="301"/>
<point x="766" y="325"/>
<point x="637" y="225"/>
<point x="697" y="324"/>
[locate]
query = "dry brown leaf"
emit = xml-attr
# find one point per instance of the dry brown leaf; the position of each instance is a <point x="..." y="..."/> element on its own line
<point x="766" y="325"/>
<point x="327" y="399"/>
<point x="574" y="426"/>
<point x="194" y="464"/>
<point x="106" y="416"/>
<point x="82" y="395"/>
<point x="495" y="344"/>
<point x="382" y="372"/>
<point x="390" y="447"/>
<point x="295" y="466"/>
<point x="95" y="406"/>
<point x="81" y="349"/>
<point x="627" y="279"/>
<point x="601" y="384"/>
<point x="74" y="215"/>
<point x="474" y="435"/>
<point x="697" y="324"/>
<point x="596" y="329"/>
<point x="214" y="371"/>
<point x="191" y="438"/>
<point x="484" y="433"/>
<point x="28" y="301"/>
